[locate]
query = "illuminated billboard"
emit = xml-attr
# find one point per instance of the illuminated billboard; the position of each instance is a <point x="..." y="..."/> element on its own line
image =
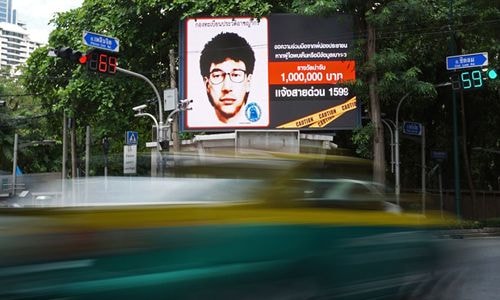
<point x="283" y="71"/>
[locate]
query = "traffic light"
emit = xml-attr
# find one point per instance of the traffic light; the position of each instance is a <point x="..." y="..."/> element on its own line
<point x="101" y="61"/>
<point x="455" y="82"/>
<point x="74" y="56"/>
<point x="492" y="74"/>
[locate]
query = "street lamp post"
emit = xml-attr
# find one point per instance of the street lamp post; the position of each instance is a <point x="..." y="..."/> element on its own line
<point x="140" y="113"/>
<point x="159" y="123"/>
<point x="397" y="184"/>
<point x="388" y="123"/>
<point x="182" y="106"/>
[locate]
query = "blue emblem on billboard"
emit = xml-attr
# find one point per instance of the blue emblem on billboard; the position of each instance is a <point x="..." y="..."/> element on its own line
<point x="253" y="112"/>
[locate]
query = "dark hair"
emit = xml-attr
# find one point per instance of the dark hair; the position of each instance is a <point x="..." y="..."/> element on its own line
<point x="226" y="45"/>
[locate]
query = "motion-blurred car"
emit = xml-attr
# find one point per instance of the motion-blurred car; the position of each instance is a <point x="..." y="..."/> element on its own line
<point x="222" y="228"/>
<point x="341" y="193"/>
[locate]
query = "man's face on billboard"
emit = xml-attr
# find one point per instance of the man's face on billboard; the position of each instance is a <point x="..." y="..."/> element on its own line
<point x="228" y="85"/>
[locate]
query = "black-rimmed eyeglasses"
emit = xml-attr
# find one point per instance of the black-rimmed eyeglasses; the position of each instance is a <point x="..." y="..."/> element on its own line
<point x="218" y="76"/>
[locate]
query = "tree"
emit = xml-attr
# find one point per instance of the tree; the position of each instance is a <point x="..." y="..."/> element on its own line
<point x="22" y="114"/>
<point x="105" y="103"/>
<point x="384" y="73"/>
<point x="400" y="48"/>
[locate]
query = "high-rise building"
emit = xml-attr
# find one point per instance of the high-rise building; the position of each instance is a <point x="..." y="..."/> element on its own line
<point x="4" y="10"/>
<point x="15" y="46"/>
<point x="7" y="14"/>
<point x="15" y="43"/>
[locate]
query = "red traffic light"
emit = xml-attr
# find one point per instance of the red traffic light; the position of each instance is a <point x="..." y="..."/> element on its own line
<point x="83" y="59"/>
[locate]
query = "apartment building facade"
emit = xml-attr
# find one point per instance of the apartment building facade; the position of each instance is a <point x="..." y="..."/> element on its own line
<point x="15" y="47"/>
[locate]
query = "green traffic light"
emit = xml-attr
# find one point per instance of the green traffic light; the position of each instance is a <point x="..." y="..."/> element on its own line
<point x="492" y="74"/>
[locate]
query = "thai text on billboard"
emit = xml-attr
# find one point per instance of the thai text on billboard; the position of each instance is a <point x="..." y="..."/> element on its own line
<point x="283" y="71"/>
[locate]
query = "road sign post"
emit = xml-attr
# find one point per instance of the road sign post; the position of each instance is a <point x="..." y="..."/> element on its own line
<point x="130" y="152"/>
<point x="417" y="129"/>
<point x="129" y="159"/>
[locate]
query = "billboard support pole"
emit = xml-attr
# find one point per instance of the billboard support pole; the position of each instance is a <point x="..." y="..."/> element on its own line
<point x="174" y="124"/>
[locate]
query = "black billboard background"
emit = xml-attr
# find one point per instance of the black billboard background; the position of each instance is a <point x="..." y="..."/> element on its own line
<point x="289" y="29"/>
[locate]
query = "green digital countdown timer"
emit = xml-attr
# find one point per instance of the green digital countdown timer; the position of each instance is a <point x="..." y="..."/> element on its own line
<point x="471" y="79"/>
<point x="467" y="80"/>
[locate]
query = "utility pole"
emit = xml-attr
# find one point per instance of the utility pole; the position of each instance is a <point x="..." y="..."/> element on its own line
<point x="64" y="155"/>
<point x="87" y="152"/>
<point x="175" y="123"/>
<point x="105" y="150"/>
<point x="73" y="147"/>
<point x="65" y="147"/>
<point x="423" y="170"/>
<point x="14" y="165"/>
<point x="456" y="164"/>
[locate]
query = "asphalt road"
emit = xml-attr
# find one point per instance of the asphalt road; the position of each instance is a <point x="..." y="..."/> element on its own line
<point x="473" y="269"/>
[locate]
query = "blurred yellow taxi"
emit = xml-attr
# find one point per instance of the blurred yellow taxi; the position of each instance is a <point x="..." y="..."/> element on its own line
<point x="221" y="227"/>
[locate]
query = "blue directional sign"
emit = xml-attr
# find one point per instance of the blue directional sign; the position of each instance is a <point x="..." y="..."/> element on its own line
<point x="131" y="137"/>
<point x="475" y="60"/>
<point x="101" y="41"/>
<point x="412" y="128"/>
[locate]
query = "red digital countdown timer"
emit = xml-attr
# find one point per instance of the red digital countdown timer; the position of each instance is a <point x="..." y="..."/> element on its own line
<point x="101" y="61"/>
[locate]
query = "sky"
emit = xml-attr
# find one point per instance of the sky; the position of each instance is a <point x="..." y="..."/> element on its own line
<point x="37" y="14"/>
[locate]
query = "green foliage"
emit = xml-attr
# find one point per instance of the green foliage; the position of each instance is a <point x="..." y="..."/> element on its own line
<point x="362" y="137"/>
<point x="193" y="8"/>
<point x="23" y="115"/>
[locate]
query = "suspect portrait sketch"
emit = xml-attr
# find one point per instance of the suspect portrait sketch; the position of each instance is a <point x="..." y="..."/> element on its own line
<point x="226" y="65"/>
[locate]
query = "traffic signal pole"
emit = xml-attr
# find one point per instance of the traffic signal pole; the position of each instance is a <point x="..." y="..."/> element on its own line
<point x="456" y="164"/>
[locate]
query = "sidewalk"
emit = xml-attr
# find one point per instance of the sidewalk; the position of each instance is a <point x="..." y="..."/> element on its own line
<point x="472" y="233"/>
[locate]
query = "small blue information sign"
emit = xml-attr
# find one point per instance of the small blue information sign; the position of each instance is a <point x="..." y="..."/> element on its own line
<point x="412" y="128"/>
